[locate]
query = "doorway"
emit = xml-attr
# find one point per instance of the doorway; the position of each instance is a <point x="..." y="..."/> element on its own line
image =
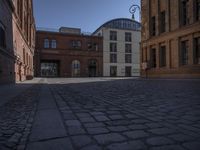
<point x="92" y="68"/>
<point x="128" y="71"/>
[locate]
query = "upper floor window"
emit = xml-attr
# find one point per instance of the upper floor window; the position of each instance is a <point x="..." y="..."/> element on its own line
<point x="53" y="44"/>
<point x="162" y="22"/>
<point x="128" y="48"/>
<point x="113" y="58"/>
<point x="197" y="10"/>
<point x="46" y="43"/>
<point x="96" y="46"/>
<point x="184" y="8"/>
<point x="184" y="53"/>
<point x="2" y="36"/>
<point x="128" y="37"/>
<point x="128" y="58"/>
<point x="76" y="44"/>
<point x="113" y="47"/>
<point x="113" y="35"/>
<point x="153" y="26"/>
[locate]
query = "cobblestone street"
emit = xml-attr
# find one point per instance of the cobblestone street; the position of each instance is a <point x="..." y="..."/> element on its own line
<point x="103" y="114"/>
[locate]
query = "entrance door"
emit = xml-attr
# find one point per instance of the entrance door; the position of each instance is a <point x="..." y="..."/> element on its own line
<point x="49" y="69"/>
<point x="113" y="71"/>
<point x="92" y="68"/>
<point x="128" y="71"/>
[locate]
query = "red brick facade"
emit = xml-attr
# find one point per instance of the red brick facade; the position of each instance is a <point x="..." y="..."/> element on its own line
<point x="23" y="38"/>
<point x="68" y="55"/>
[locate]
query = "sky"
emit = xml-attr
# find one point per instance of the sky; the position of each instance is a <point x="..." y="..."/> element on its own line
<point x="85" y="14"/>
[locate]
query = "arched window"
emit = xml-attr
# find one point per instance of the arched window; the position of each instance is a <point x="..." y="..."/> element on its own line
<point x="2" y="36"/>
<point x="46" y="43"/>
<point x="75" y="68"/>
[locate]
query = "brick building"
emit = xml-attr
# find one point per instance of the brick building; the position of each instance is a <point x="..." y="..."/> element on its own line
<point x="23" y="38"/>
<point x="6" y="42"/>
<point x="68" y="53"/>
<point x="170" y="45"/>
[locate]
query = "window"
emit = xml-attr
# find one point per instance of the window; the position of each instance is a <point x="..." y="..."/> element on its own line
<point x="76" y="44"/>
<point x="113" y="35"/>
<point x="153" y="58"/>
<point x="113" y="58"/>
<point x="96" y="46"/>
<point x="197" y="10"/>
<point x="113" y="47"/>
<point x="153" y="26"/>
<point x="197" y="50"/>
<point x="113" y="71"/>
<point x="162" y="22"/>
<point x="162" y="56"/>
<point x="128" y="48"/>
<point x="89" y="45"/>
<point x="184" y="20"/>
<point x="128" y="58"/>
<point x="53" y="44"/>
<point x="128" y="37"/>
<point x="184" y="53"/>
<point x="2" y="36"/>
<point x="46" y="43"/>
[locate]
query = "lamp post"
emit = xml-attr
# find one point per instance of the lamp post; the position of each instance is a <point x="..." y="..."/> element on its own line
<point x="133" y="10"/>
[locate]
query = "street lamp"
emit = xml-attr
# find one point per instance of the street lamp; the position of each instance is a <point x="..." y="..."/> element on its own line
<point x="133" y="10"/>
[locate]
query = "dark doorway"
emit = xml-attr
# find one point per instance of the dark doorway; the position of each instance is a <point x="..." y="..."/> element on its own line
<point x="113" y="71"/>
<point x="92" y="68"/>
<point x="49" y="68"/>
<point x="128" y="71"/>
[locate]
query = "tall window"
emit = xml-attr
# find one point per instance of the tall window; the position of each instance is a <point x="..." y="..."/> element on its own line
<point x="128" y="37"/>
<point x="162" y="22"/>
<point x="153" y="58"/>
<point x="113" y="47"/>
<point x="113" y="58"/>
<point x="162" y="56"/>
<point x="76" y="44"/>
<point x="184" y="53"/>
<point x="46" y="43"/>
<point x="197" y="50"/>
<point x="197" y="10"/>
<point x="128" y="58"/>
<point x="128" y="48"/>
<point x="2" y="36"/>
<point x="53" y="44"/>
<point x="153" y="26"/>
<point x="113" y="35"/>
<point x="184" y="12"/>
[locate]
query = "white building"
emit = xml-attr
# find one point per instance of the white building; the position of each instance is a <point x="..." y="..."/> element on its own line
<point x="121" y="39"/>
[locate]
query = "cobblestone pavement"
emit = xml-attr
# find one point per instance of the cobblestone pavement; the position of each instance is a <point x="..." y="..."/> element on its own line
<point x="133" y="114"/>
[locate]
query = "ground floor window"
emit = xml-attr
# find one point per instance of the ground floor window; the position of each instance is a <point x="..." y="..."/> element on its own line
<point x="184" y="53"/>
<point x="153" y="57"/>
<point x="197" y="50"/>
<point x="75" y="68"/>
<point x="162" y="56"/>
<point x="113" y="71"/>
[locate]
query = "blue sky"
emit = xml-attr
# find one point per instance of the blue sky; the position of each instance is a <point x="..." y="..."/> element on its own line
<point x="85" y="14"/>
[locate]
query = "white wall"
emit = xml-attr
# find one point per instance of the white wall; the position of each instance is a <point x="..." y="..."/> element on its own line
<point x="136" y="38"/>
